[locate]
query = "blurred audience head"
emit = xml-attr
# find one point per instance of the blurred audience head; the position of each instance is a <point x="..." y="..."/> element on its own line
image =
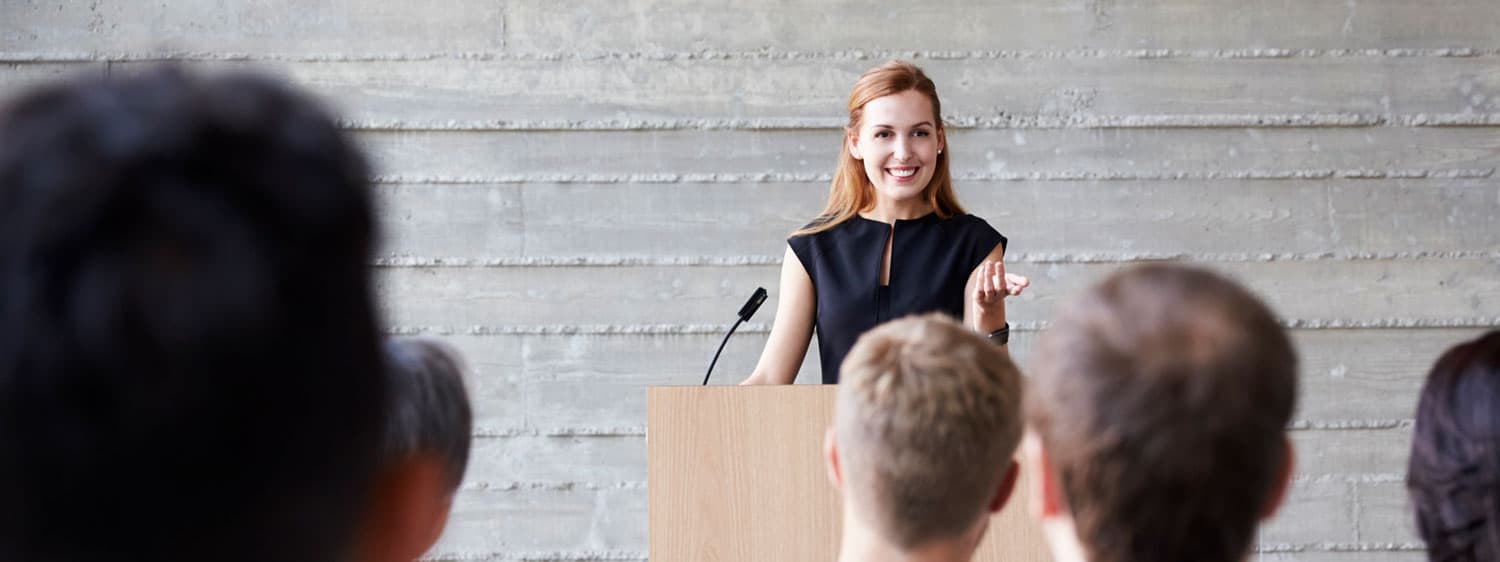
<point x="429" y="406"/>
<point x="1455" y="454"/>
<point x="429" y="425"/>
<point x="1159" y="404"/>
<point x="189" y="360"/>
<point x="927" y="422"/>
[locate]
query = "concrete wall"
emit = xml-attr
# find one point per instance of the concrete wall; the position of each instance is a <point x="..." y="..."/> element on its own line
<point x="580" y="193"/>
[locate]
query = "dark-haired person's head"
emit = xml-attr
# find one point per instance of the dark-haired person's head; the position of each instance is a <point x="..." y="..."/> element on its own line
<point x="1158" y="411"/>
<point x="1454" y="472"/>
<point x="189" y="360"/>
<point x="429" y="424"/>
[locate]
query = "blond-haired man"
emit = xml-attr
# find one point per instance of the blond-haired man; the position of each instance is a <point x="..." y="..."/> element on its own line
<point x="921" y="447"/>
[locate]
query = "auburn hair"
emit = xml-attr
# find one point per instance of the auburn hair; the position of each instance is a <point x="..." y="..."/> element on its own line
<point x="852" y="191"/>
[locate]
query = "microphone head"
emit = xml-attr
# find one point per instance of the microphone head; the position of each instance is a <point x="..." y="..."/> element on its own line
<point x="753" y="304"/>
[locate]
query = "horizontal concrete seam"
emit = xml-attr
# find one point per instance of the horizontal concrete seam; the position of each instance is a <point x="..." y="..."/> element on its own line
<point x="760" y="328"/>
<point x="566" y="431"/>
<point x="484" y="486"/>
<point x="1227" y="120"/>
<point x="1081" y="121"/>
<point x="757" y="54"/>
<point x="1346" y="324"/>
<point x="768" y="177"/>
<point x="551" y="556"/>
<point x="1349" y="479"/>
<point x="1275" y="548"/>
<point x="426" y="262"/>
<point x="700" y="124"/>
<point x="1342" y="425"/>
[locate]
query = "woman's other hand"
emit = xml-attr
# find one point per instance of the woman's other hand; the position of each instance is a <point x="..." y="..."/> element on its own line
<point x="994" y="284"/>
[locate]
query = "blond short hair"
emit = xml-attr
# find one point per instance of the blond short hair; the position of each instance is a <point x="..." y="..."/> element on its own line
<point x="927" y="421"/>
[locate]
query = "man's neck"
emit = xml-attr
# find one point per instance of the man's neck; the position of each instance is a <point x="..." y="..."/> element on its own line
<point x="1062" y="540"/>
<point x="863" y="544"/>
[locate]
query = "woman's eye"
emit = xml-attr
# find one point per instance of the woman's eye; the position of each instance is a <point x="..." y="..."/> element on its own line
<point x="919" y="134"/>
<point x="882" y="134"/>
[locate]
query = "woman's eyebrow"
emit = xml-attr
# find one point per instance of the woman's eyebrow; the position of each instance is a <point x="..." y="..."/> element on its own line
<point x="885" y="126"/>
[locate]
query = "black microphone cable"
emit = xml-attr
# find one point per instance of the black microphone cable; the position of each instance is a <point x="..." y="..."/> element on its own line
<point x="752" y="305"/>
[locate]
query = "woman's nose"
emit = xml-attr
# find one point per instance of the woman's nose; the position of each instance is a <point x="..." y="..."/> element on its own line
<point x="902" y="148"/>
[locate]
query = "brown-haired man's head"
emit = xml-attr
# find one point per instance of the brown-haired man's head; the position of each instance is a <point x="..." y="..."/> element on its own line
<point x="926" y="424"/>
<point x="1159" y="407"/>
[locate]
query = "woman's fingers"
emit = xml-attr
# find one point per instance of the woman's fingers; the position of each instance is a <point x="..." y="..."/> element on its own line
<point x="982" y="286"/>
<point x="993" y="283"/>
<point x="1014" y="284"/>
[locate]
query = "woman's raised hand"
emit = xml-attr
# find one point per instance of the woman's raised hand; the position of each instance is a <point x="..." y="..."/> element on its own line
<point x="994" y="284"/>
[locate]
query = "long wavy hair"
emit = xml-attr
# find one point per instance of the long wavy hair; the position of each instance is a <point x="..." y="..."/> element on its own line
<point x="852" y="191"/>
<point x="1454" y="473"/>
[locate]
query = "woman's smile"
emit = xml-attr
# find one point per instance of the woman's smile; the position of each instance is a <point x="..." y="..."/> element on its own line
<point x="903" y="174"/>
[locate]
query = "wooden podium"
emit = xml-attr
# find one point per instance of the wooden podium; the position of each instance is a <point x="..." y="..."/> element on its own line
<point x="736" y="474"/>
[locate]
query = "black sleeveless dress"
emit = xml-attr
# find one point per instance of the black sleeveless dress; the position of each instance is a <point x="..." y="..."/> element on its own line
<point x="931" y="259"/>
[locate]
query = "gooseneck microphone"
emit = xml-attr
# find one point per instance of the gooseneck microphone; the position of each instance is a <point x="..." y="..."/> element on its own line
<point x="752" y="305"/>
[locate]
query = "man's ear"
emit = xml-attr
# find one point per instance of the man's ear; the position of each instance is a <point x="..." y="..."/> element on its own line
<point x="831" y="459"/>
<point x="1283" y="480"/>
<point x="1006" y="488"/>
<point x="407" y="511"/>
<point x="1045" y="493"/>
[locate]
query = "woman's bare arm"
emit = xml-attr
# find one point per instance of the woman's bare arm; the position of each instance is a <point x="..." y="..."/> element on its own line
<point x="988" y="285"/>
<point x="792" y="330"/>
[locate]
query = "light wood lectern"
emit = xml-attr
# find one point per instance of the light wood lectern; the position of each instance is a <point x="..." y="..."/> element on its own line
<point x="736" y="474"/>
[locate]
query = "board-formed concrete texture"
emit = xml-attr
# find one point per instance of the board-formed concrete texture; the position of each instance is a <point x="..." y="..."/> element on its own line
<point x="579" y="194"/>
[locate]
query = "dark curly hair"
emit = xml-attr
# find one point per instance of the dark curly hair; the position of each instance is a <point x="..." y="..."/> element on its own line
<point x="1455" y="454"/>
<point x="190" y="364"/>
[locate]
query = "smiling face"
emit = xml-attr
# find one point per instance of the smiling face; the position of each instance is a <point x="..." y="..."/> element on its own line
<point x="898" y="142"/>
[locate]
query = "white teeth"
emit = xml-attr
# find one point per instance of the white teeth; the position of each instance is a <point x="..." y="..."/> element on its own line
<point x="902" y="172"/>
